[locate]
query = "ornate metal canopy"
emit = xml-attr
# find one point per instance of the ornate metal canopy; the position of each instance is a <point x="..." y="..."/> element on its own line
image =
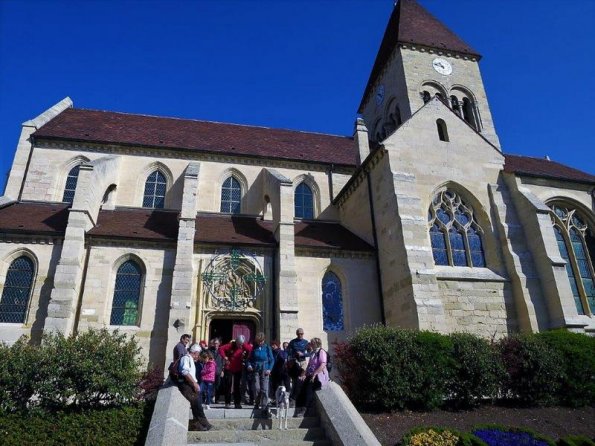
<point x="234" y="280"/>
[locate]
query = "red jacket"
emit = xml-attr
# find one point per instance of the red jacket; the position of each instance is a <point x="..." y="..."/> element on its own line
<point x="234" y="356"/>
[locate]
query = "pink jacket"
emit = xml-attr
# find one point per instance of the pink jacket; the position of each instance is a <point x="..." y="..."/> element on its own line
<point x="208" y="371"/>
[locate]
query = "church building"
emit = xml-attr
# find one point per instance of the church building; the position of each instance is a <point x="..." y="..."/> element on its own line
<point x="160" y="226"/>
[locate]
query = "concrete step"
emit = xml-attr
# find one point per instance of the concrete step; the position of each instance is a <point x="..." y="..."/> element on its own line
<point x="268" y="443"/>
<point x="242" y="424"/>
<point x="218" y="411"/>
<point x="257" y="436"/>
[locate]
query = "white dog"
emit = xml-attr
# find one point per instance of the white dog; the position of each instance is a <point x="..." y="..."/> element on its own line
<point x="282" y="398"/>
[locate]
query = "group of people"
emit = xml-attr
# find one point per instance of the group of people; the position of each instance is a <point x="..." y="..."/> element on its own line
<point x="249" y="373"/>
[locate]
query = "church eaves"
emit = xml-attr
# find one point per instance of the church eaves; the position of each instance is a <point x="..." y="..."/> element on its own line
<point x="411" y="24"/>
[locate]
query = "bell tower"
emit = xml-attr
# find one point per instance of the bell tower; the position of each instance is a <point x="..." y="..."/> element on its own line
<point x="420" y="58"/>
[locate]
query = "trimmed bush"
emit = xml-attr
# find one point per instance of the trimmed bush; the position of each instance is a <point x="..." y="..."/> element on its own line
<point x="98" y="427"/>
<point x="533" y="370"/>
<point x="477" y="371"/>
<point x="575" y="440"/>
<point x="437" y="436"/>
<point x="498" y="435"/>
<point x="577" y="385"/>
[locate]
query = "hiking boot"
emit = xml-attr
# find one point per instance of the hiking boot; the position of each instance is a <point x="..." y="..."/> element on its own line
<point x="228" y="406"/>
<point x="205" y="424"/>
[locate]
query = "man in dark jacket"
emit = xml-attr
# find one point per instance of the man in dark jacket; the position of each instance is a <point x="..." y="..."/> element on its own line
<point x="181" y="347"/>
<point x="296" y="356"/>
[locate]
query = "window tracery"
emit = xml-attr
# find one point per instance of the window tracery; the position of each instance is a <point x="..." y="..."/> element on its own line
<point x="70" y="187"/>
<point x="155" y="187"/>
<point x="304" y="201"/>
<point x="125" y="305"/>
<point x="17" y="290"/>
<point x="231" y="196"/>
<point x="455" y="235"/>
<point x="332" y="303"/>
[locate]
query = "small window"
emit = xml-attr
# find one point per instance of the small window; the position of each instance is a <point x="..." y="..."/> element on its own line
<point x="70" y="187"/>
<point x="17" y="291"/>
<point x="304" y="201"/>
<point x="442" y="130"/>
<point x="468" y="114"/>
<point x="455" y="235"/>
<point x="426" y="96"/>
<point x="231" y="196"/>
<point x="454" y="102"/>
<point x="332" y="303"/>
<point x="155" y="186"/>
<point x="126" y="294"/>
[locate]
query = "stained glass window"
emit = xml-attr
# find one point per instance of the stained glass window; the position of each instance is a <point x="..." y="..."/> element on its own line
<point x="70" y="186"/>
<point x="154" y="196"/>
<point x="231" y="196"/>
<point x="126" y="294"/>
<point x="332" y="303"/>
<point x="304" y="201"/>
<point x="574" y="239"/>
<point x="17" y="290"/>
<point x="455" y="235"/>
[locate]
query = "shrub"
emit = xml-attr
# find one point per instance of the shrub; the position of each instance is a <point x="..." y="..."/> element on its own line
<point x="150" y="383"/>
<point x="93" y="369"/>
<point x="577" y="388"/>
<point x="437" y="436"/>
<point x="497" y="435"/>
<point x="533" y="370"/>
<point x="393" y="369"/>
<point x="575" y="440"/>
<point x="476" y="373"/>
<point x="112" y="426"/>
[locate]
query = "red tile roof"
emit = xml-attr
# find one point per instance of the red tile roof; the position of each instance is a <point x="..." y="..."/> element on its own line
<point x="145" y="224"/>
<point x="233" y="229"/>
<point x="328" y="235"/>
<point x="34" y="218"/>
<point x="201" y="136"/>
<point x="541" y="167"/>
<point x="410" y="23"/>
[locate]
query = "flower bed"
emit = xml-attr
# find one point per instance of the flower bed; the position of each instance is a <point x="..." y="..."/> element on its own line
<point x="494" y="435"/>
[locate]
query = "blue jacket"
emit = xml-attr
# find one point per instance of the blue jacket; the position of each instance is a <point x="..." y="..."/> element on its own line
<point x="297" y="345"/>
<point x="261" y="358"/>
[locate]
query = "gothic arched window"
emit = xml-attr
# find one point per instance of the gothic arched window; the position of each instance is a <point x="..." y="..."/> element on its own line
<point x="126" y="301"/>
<point x="455" y="235"/>
<point x="231" y="196"/>
<point x="70" y="187"/>
<point x="17" y="290"/>
<point x="155" y="186"/>
<point x="576" y="242"/>
<point x="304" y="201"/>
<point x="332" y="303"/>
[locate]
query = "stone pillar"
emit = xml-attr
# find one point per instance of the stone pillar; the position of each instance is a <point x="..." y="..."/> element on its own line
<point x="360" y="136"/>
<point x="280" y="190"/>
<point x="24" y="148"/>
<point x="183" y="277"/>
<point x="93" y="179"/>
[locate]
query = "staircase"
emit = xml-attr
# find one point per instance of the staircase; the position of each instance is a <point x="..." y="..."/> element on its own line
<point x="247" y="427"/>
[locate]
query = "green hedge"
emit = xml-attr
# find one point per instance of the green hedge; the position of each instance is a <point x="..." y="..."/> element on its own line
<point x="575" y="440"/>
<point x="113" y="426"/>
<point x="389" y="368"/>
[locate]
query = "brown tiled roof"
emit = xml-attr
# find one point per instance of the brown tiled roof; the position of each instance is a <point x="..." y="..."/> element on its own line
<point x="541" y="167"/>
<point x="234" y="230"/>
<point x="202" y="136"/>
<point x="34" y="218"/>
<point x="145" y="224"/>
<point x="410" y="23"/>
<point x="328" y="235"/>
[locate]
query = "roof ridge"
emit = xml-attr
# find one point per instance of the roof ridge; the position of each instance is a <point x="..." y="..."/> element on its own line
<point x="212" y="122"/>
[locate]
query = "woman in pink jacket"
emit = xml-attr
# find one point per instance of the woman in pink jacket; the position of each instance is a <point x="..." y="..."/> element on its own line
<point x="208" y="377"/>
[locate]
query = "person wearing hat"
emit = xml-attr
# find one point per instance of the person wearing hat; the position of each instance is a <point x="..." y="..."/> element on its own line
<point x="234" y="354"/>
<point x="191" y="390"/>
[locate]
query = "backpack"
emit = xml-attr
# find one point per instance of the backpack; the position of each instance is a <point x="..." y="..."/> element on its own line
<point x="174" y="370"/>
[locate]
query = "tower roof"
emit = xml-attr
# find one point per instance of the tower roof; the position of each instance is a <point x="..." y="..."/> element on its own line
<point x="410" y="23"/>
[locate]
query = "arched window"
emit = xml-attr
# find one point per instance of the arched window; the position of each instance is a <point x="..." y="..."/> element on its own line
<point x="468" y="114"/>
<point x="456" y="106"/>
<point x="576" y="242"/>
<point x="154" y="196"/>
<point x="304" y="201"/>
<point x="17" y="291"/>
<point x="231" y="196"/>
<point x="126" y="301"/>
<point x="442" y="130"/>
<point x="426" y="96"/>
<point x="454" y="234"/>
<point x="332" y="303"/>
<point x="70" y="187"/>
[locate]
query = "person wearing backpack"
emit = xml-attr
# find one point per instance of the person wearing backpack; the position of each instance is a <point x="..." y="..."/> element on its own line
<point x="313" y="378"/>
<point x="190" y="388"/>
<point x="260" y="362"/>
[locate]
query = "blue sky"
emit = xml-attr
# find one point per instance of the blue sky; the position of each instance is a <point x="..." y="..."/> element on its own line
<point x="291" y="64"/>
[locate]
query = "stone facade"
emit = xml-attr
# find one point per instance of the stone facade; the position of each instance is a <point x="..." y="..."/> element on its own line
<point x="373" y="199"/>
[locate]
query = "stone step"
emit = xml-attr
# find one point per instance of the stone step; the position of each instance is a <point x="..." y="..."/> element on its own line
<point x="257" y="436"/>
<point x="243" y="424"/>
<point x="268" y="443"/>
<point x="218" y="411"/>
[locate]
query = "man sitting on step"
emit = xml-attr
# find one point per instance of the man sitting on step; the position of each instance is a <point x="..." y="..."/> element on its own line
<point x="191" y="390"/>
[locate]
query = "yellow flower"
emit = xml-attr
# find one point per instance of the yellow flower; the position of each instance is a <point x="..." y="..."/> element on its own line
<point x="433" y="438"/>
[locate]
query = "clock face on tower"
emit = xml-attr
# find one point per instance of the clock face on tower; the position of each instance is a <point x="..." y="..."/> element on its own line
<point x="442" y="66"/>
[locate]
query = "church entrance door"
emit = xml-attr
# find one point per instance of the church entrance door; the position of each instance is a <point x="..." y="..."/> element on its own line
<point x="228" y="329"/>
